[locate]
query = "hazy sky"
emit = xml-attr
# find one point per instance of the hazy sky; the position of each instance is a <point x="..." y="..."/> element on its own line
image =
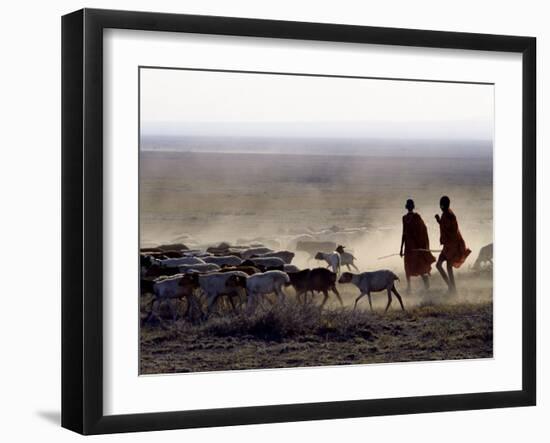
<point x="179" y="102"/>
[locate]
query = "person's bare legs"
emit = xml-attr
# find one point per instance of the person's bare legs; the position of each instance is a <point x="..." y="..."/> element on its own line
<point x="408" y="290"/>
<point x="426" y="280"/>
<point x="452" y="286"/>
<point x="439" y="267"/>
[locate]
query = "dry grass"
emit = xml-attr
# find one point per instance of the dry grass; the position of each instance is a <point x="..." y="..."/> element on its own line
<point x="292" y="335"/>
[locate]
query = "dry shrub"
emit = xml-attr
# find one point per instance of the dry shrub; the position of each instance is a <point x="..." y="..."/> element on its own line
<point x="290" y="320"/>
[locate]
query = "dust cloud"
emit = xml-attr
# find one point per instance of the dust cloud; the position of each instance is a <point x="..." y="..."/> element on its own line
<point x="202" y="199"/>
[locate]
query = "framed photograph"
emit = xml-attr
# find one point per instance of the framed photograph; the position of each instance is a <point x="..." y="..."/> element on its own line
<point x="269" y="221"/>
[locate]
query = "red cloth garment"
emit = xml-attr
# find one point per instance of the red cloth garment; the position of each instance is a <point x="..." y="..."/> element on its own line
<point x="416" y="237"/>
<point x="454" y="247"/>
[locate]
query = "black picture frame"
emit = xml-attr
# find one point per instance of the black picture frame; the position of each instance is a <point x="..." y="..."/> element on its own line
<point x="82" y="218"/>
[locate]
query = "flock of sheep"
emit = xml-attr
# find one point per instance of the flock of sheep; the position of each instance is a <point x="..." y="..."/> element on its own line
<point x="243" y="276"/>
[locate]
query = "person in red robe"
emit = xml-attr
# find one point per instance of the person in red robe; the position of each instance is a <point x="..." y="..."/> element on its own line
<point x="418" y="258"/>
<point x="454" y="250"/>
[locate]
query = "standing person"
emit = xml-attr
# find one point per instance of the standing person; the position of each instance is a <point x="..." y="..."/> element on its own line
<point x="418" y="258"/>
<point x="454" y="250"/>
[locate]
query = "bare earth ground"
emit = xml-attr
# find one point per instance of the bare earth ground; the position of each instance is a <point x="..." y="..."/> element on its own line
<point x="206" y="198"/>
<point x="434" y="327"/>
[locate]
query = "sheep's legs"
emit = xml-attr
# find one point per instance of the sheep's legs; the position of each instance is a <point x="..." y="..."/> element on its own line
<point x="251" y="304"/>
<point x="356" y="268"/>
<point x="337" y="295"/>
<point x="193" y="305"/>
<point x="233" y="307"/>
<point x="358" y="298"/>
<point x="173" y="309"/>
<point x="280" y="294"/>
<point x="187" y="305"/>
<point x="399" y="299"/>
<point x="370" y="301"/>
<point x="389" y="300"/>
<point x="212" y="299"/>
<point x="325" y="293"/>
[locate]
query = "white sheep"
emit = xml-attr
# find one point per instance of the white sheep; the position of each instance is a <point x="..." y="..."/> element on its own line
<point x="268" y="262"/>
<point x="248" y="253"/>
<point x="216" y="284"/>
<point x="175" y="262"/>
<point x="376" y="281"/>
<point x="285" y="256"/>
<point x="169" y="288"/>
<point x="197" y="253"/>
<point x="225" y="260"/>
<point x="269" y="282"/>
<point x="166" y="288"/>
<point x="333" y="260"/>
<point x="346" y="258"/>
<point x="200" y="267"/>
<point x="291" y="268"/>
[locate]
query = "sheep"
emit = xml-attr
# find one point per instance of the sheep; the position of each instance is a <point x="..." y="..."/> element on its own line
<point x="249" y="270"/>
<point x="485" y="258"/>
<point x="196" y="253"/>
<point x="199" y="267"/>
<point x="368" y="282"/>
<point x="291" y="268"/>
<point x="146" y="286"/>
<point x="260" y="267"/>
<point x="173" y="247"/>
<point x="175" y="287"/>
<point x="150" y="250"/>
<point x="265" y="283"/>
<point x="268" y="262"/>
<point x="172" y="254"/>
<point x="226" y="260"/>
<point x="332" y="258"/>
<point x="318" y="279"/>
<point x="175" y="262"/>
<point x="215" y="285"/>
<point x="145" y="261"/>
<point x="346" y="258"/>
<point x="248" y="253"/>
<point x="300" y="282"/>
<point x="285" y="256"/>
<point x="158" y="271"/>
<point x="221" y="248"/>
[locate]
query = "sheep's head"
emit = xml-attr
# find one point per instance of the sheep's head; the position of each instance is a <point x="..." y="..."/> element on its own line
<point x="319" y="256"/>
<point x="155" y="261"/>
<point x="340" y="249"/>
<point x="289" y="255"/>
<point x="345" y="277"/>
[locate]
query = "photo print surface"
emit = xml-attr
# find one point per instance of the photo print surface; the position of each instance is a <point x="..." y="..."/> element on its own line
<point x="291" y="220"/>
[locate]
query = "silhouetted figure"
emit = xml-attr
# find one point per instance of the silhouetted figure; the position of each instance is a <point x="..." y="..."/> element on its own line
<point x="418" y="258"/>
<point x="454" y="250"/>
